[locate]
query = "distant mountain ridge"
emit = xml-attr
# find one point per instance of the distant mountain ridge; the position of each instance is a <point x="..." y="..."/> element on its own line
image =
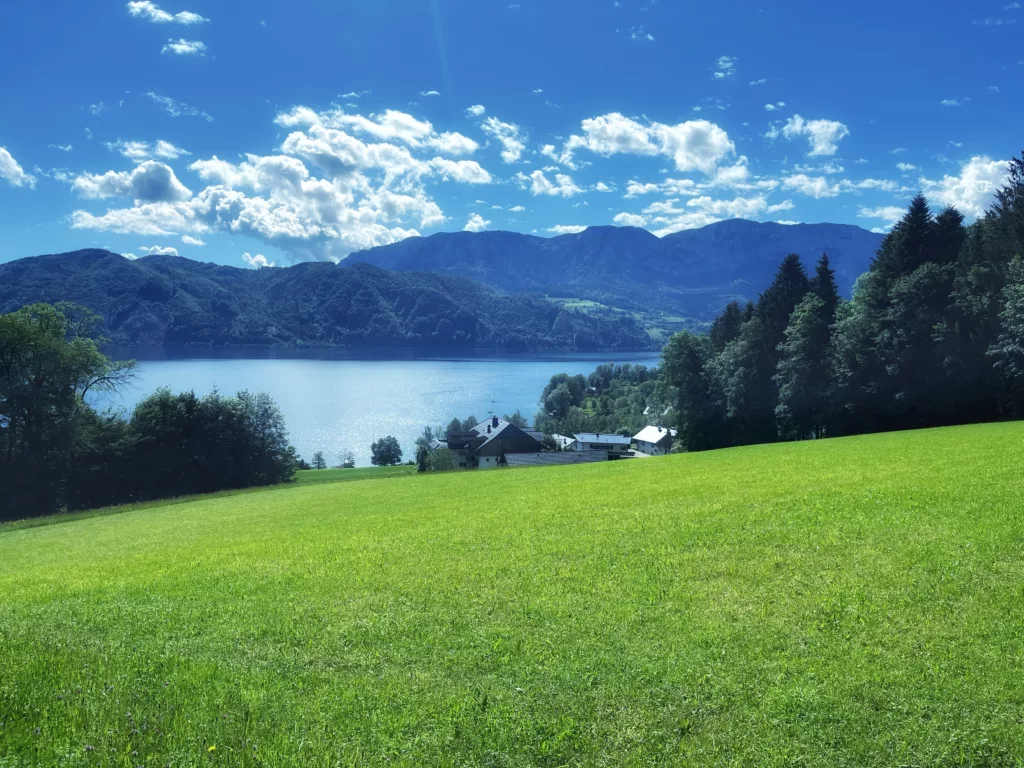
<point x="694" y="272"/>
<point x="175" y="302"/>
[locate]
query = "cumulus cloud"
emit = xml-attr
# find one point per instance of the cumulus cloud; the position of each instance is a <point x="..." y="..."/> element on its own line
<point x="906" y="167"/>
<point x="696" y="145"/>
<point x="668" y="216"/>
<point x="154" y="13"/>
<point x="159" y="250"/>
<point x="13" y="173"/>
<point x="476" y="110"/>
<point x="340" y="182"/>
<point x="150" y="182"/>
<point x="189" y="240"/>
<point x="508" y="135"/>
<point x="566" y="229"/>
<point x="476" y="223"/>
<point x="516" y="209"/>
<point x="816" y="186"/>
<point x="972" y="191"/>
<point x="142" y="150"/>
<point x="258" y="261"/>
<point x="539" y="184"/>
<point x="889" y="213"/>
<point x="725" y="68"/>
<point x="430" y="93"/>
<point x="182" y="47"/>
<point x="773" y="107"/>
<point x="630" y="220"/>
<point x="61" y="147"/>
<point x="822" y="135"/>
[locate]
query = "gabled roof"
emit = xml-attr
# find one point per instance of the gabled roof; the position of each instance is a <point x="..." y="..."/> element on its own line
<point x="653" y="434"/>
<point x="507" y="431"/>
<point x="602" y="439"/>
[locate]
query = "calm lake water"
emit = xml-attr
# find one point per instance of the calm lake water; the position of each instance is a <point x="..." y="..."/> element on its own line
<point x="339" y="405"/>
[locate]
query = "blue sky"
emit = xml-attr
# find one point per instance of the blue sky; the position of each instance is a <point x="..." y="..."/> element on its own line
<point x="266" y="132"/>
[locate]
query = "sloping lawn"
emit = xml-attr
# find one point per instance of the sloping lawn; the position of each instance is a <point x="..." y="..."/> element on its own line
<point x="854" y="602"/>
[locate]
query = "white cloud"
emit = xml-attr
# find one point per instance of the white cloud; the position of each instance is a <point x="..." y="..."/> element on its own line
<point x="430" y="93"/>
<point x="141" y="150"/>
<point x="539" y="184"/>
<point x="701" y="211"/>
<point x="566" y="229"/>
<point x="890" y="213"/>
<point x="537" y="91"/>
<point x="630" y="220"/>
<point x="761" y="81"/>
<point x="954" y="102"/>
<point x="906" y="167"/>
<point x="13" y="173"/>
<point x="476" y="110"/>
<point x="61" y="147"/>
<point x="130" y="256"/>
<point x="696" y="145"/>
<point x="476" y="223"/>
<point x="189" y="240"/>
<point x="159" y="250"/>
<point x="507" y="134"/>
<point x="462" y="171"/>
<point x="182" y="47"/>
<point x="258" y="261"/>
<point x="153" y="12"/>
<point x="638" y="33"/>
<point x="177" y="108"/>
<point x="775" y="106"/>
<point x="823" y="135"/>
<point x="453" y="144"/>
<point x="516" y="209"/>
<point x="726" y="67"/>
<point x="602" y="187"/>
<point x="150" y="182"/>
<point x="898" y="151"/>
<point x="973" y="190"/>
<point x="994" y="22"/>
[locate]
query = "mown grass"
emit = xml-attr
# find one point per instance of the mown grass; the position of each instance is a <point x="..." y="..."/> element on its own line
<point x="853" y="602"/>
<point x="318" y="476"/>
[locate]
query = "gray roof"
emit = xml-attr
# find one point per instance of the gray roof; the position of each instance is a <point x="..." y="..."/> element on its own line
<point x="653" y="434"/>
<point x="602" y="439"/>
<point x="556" y="459"/>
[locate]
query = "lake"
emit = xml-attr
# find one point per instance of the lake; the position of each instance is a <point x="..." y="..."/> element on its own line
<point x="336" y="405"/>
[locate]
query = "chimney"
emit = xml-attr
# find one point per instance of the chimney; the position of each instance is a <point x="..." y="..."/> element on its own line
<point x="494" y="422"/>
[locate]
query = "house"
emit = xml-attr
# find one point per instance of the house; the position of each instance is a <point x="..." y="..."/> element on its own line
<point x="565" y="442"/>
<point x="489" y="443"/>
<point x="655" y="441"/>
<point x="614" y="446"/>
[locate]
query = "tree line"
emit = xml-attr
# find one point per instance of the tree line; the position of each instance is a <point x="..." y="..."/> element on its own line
<point x="934" y="335"/>
<point x="58" y="452"/>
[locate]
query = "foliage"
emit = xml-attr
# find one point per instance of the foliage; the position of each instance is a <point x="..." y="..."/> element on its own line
<point x="611" y="399"/>
<point x="385" y="452"/>
<point x="932" y="336"/>
<point x="442" y="460"/>
<point x="171" y="301"/>
<point x="57" y="452"/>
<point x="846" y="603"/>
<point x="319" y="462"/>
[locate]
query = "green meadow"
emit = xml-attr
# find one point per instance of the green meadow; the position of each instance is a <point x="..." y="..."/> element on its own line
<point x="854" y="602"/>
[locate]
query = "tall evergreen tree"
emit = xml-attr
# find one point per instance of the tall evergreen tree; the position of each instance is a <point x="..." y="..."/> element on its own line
<point x="803" y="373"/>
<point x="726" y="327"/>
<point x="698" y="412"/>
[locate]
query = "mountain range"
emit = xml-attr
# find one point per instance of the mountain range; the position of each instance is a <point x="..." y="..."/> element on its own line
<point x="692" y="273"/>
<point x="606" y="288"/>
<point x="171" y="301"/>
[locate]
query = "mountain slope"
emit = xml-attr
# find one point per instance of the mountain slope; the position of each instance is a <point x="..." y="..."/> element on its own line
<point x="693" y="273"/>
<point x="171" y="301"/>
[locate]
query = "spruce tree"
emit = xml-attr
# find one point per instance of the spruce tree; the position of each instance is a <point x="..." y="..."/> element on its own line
<point x="726" y="326"/>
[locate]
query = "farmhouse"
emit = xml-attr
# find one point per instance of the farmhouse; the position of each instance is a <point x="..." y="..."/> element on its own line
<point x="487" y="445"/>
<point x="654" y="441"/>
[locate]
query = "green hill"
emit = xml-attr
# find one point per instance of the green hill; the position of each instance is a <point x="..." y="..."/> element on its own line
<point x="853" y="602"/>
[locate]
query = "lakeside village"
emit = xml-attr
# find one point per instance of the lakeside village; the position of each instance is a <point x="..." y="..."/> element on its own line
<point x="498" y="443"/>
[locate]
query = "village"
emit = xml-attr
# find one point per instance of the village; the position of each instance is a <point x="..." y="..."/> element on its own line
<point x="496" y="443"/>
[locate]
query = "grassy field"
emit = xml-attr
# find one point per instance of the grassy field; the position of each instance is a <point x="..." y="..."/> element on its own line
<point x="853" y="602"/>
<point x="320" y="476"/>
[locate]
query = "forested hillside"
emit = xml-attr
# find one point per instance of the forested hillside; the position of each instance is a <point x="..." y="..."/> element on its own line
<point x="171" y="301"/>
<point x="691" y="274"/>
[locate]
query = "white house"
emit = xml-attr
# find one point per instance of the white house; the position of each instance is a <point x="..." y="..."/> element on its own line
<point x="616" y="446"/>
<point x="655" y="441"/>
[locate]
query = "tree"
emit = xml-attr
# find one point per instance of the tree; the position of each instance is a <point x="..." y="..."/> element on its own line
<point x="319" y="462"/>
<point x="442" y="460"/>
<point x="454" y="427"/>
<point x="699" y="414"/>
<point x="422" y="459"/>
<point x="50" y="359"/>
<point x="1008" y="351"/>
<point x="726" y="327"/>
<point x="425" y="439"/>
<point x="803" y="372"/>
<point x="348" y="460"/>
<point x="385" y="452"/>
<point x="517" y="420"/>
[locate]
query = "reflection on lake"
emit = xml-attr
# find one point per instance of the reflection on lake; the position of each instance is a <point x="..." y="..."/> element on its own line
<point x="338" y="405"/>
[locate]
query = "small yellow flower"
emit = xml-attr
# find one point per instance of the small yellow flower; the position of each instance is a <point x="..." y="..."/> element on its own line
<point x="211" y="749"/>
